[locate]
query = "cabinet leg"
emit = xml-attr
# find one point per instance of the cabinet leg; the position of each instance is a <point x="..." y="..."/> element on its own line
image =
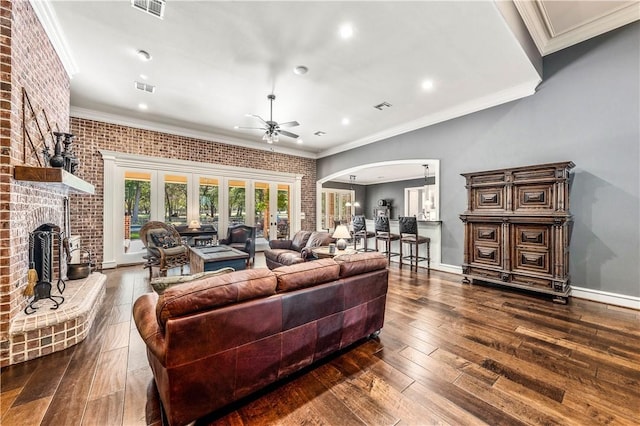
<point x="466" y="280"/>
<point x="561" y="300"/>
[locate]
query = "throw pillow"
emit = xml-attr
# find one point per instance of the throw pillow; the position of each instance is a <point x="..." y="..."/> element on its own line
<point x="160" y="284"/>
<point x="163" y="239"/>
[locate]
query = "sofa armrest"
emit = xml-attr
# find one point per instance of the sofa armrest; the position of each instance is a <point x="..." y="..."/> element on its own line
<point x="144" y="315"/>
<point x="280" y="244"/>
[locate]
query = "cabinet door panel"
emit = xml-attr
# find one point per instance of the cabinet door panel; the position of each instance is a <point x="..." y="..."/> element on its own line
<point x="487" y="255"/>
<point x="531" y="236"/>
<point x="533" y="197"/>
<point x="531" y="261"/>
<point x="488" y="233"/>
<point x="491" y="198"/>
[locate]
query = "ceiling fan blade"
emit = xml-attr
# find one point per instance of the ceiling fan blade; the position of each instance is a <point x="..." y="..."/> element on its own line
<point x="291" y="135"/>
<point x="258" y="117"/>
<point x="289" y="124"/>
<point x="249" y="128"/>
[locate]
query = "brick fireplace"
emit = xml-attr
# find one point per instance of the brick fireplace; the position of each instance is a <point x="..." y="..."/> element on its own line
<point x="34" y="67"/>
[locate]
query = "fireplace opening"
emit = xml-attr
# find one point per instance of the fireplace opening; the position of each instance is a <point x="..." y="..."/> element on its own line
<point x="45" y="265"/>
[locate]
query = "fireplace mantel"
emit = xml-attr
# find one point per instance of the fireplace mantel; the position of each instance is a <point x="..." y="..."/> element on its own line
<point x="51" y="176"/>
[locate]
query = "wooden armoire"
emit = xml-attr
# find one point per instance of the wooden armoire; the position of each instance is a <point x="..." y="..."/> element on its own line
<point x="517" y="228"/>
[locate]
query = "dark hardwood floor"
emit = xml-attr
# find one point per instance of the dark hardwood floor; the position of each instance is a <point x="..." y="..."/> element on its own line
<point x="448" y="354"/>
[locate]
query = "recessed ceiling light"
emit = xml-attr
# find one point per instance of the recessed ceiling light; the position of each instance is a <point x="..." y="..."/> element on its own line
<point x="427" y="84"/>
<point x="144" y="76"/>
<point x="345" y="121"/>
<point x="346" y="31"/>
<point x="301" y="70"/>
<point x="143" y="55"/>
<point x="143" y="106"/>
<point x="300" y="141"/>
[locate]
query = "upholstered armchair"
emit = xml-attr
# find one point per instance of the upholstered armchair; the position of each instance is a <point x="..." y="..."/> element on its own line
<point x="242" y="237"/>
<point x="296" y="250"/>
<point x="165" y="248"/>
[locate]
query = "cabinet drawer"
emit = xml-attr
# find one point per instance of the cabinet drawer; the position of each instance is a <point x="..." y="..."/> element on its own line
<point x="487" y="255"/>
<point x="531" y="261"/>
<point x="538" y="197"/>
<point x="486" y="233"/>
<point x="531" y="235"/>
<point x="484" y="273"/>
<point x="489" y="198"/>
<point x="531" y="281"/>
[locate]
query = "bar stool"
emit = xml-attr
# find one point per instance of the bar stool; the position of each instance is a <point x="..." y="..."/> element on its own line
<point x="409" y="235"/>
<point x="383" y="233"/>
<point x="360" y="231"/>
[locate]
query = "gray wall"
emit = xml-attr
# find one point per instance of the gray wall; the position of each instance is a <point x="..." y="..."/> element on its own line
<point x="393" y="191"/>
<point x="586" y="110"/>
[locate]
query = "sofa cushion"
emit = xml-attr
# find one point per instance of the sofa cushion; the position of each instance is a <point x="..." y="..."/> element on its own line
<point x="306" y="274"/>
<point x="160" y="284"/>
<point x="215" y="291"/>
<point x="359" y="263"/>
<point x="299" y="240"/>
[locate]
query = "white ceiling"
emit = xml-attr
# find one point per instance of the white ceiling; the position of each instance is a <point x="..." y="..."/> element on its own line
<point x="213" y="62"/>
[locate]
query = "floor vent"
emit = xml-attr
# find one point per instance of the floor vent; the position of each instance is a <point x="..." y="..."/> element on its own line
<point x="145" y="87"/>
<point x="152" y="7"/>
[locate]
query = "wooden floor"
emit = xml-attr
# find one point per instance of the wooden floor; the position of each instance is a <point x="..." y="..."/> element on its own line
<point x="448" y="354"/>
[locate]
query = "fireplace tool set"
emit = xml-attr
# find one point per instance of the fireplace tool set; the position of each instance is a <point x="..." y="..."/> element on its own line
<point x="40" y="263"/>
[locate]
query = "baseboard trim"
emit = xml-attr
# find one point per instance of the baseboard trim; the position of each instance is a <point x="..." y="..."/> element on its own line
<point x="609" y="298"/>
<point x="109" y="265"/>
<point x="453" y="269"/>
<point x="606" y="297"/>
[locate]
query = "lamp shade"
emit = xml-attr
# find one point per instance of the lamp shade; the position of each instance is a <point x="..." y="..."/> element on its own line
<point x="194" y="224"/>
<point x="340" y="234"/>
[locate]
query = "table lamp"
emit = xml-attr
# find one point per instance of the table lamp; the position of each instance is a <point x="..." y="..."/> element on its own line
<point x="194" y="224"/>
<point x="341" y="233"/>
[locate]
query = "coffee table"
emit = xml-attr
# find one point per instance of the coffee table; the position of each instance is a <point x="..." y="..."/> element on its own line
<point x="323" y="252"/>
<point x="215" y="257"/>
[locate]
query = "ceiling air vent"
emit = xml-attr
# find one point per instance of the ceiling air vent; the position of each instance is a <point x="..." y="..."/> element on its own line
<point x="320" y="133"/>
<point x="145" y="87"/>
<point x="152" y="7"/>
<point x="382" y="105"/>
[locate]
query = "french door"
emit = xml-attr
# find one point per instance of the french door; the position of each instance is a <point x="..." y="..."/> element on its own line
<point x="138" y="189"/>
<point x="272" y="206"/>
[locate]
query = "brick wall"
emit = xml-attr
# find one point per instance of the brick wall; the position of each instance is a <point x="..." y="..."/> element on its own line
<point x="92" y="136"/>
<point x="27" y="62"/>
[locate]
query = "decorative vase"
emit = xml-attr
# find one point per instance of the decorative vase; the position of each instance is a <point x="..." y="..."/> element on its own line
<point x="57" y="160"/>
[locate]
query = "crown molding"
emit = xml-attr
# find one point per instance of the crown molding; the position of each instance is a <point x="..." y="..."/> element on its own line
<point x="547" y="41"/>
<point x="49" y="22"/>
<point x="90" y="114"/>
<point x="498" y="98"/>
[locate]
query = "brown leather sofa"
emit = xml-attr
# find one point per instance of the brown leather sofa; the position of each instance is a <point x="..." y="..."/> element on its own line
<point x="213" y="341"/>
<point x="296" y="250"/>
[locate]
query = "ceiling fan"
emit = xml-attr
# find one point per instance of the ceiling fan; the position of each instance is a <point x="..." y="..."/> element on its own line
<point x="272" y="129"/>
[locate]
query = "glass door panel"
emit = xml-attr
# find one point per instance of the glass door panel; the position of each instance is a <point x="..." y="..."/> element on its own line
<point x="283" y="209"/>
<point x="262" y="209"/>
<point x="209" y="201"/>
<point x="137" y="208"/>
<point x="237" y="202"/>
<point x="175" y="199"/>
